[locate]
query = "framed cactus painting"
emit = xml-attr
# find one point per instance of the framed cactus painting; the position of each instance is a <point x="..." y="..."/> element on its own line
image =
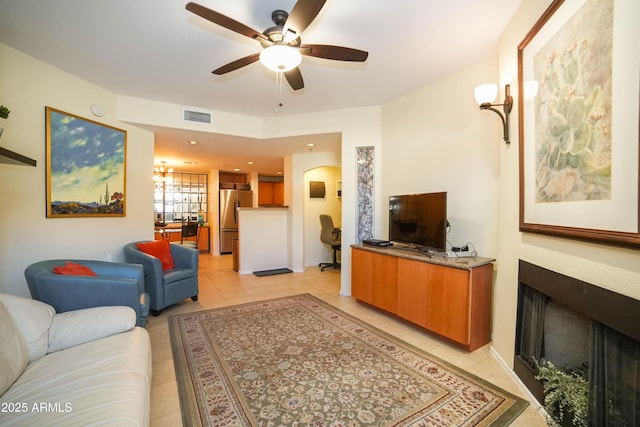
<point x="85" y="167"/>
<point x="579" y="97"/>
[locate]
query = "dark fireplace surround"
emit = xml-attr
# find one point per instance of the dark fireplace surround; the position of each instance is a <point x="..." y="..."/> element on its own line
<point x="593" y="303"/>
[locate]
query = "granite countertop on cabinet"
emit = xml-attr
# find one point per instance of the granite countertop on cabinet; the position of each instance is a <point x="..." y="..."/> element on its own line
<point x="464" y="263"/>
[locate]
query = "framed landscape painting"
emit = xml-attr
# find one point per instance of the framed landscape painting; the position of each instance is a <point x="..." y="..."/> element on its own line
<point x="579" y="98"/>
<point x="86" y="167"/>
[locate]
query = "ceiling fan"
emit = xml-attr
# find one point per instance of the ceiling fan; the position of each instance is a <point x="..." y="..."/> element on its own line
<point x="282" y="46"/>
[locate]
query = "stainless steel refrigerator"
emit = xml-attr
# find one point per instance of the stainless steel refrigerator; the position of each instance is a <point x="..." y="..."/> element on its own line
<point x="230" y="201"/>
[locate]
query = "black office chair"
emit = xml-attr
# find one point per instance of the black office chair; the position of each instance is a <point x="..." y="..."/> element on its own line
<point x="189" y="229"/>
<point x="331" y="236"/>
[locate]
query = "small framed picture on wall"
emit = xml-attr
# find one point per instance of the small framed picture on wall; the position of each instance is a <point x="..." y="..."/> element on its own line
<point x="316" y="189"/>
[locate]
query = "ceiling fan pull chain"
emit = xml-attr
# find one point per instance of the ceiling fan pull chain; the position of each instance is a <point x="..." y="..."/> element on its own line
<point x="279" y="79"/>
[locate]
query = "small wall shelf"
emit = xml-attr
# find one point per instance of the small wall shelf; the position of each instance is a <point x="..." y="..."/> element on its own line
<point x="12" y="158"/>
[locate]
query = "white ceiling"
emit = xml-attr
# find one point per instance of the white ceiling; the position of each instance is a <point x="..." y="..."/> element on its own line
<point x="156" y="49"/>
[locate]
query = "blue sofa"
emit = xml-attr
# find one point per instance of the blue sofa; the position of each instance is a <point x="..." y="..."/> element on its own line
<point x="116" y="284"/>
<point x="167" y="287"/>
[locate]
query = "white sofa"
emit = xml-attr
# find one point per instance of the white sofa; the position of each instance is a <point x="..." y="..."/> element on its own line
<point x="79" y="368"/>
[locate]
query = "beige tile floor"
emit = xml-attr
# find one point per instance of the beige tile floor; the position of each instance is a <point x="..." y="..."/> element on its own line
<point x="221" y="286"/>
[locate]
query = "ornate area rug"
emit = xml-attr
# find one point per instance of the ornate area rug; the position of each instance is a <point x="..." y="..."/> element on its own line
<point x="298" y="361"/>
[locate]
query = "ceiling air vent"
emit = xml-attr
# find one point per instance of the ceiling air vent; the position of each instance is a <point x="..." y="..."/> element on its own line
<point x="191" y="115"/>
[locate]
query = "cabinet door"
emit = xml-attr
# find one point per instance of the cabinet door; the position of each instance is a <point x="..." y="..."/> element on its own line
<point x="413" y="278"/>
<point x="278" y="193"/>
<point x="362" y="275"/>
<point x="265" y="193"/>
<point x="448" y="303"/>
<point x="203" y="239"/>
<point x="384" y="292"/>
<point x="480" y="285"/>
<point x="374" y="279"/>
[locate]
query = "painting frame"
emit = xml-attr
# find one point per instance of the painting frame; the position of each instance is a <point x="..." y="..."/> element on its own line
<point x="316" y="190"/>
<point x="612" y="220"/>
<point x="85" y="167"/>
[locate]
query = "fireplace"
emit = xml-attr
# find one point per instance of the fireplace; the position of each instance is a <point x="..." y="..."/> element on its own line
<point x="586" y="331"/>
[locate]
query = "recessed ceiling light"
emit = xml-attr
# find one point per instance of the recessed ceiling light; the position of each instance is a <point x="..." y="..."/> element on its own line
<point x="192" y="142"/>
<point x="311" y="144"/>
<point x="279" y="172"/>
<point x="250" y="163"/>
<point x="236" y="169"/>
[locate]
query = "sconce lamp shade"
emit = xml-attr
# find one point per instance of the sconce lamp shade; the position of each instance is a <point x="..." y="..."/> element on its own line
<point x="280" y="58"/>
<point x="486" y="93"/>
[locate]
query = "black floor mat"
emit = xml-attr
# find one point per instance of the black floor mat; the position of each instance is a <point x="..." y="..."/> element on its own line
<point x="272" y="272"/>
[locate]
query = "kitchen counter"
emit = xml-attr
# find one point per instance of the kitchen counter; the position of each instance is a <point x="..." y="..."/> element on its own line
<point x="263" y="239"/>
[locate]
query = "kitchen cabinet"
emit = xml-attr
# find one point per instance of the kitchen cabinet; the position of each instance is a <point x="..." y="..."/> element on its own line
<point x="231" y="179"/>
<point x="450" y="297"/>
<point x="278" y="193"/>
<point x="203" y="239"/>
<point x="270" y="193"/>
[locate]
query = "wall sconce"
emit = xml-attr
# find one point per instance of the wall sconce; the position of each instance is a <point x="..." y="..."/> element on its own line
<point x="485" y="94"/>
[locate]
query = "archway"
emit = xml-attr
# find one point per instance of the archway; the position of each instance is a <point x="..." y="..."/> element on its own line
<point x="315" y="204"/>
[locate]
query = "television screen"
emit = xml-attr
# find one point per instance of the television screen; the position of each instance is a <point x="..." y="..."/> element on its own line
<point x="419" y="219"/>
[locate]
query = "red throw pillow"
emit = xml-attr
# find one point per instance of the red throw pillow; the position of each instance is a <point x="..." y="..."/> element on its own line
<point x="159" y="249"/>
<point x="73" y="269"/>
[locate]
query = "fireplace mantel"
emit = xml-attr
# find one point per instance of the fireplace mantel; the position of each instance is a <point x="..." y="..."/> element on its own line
<point x="581" y="328"/>
<point x="615" y="310"/>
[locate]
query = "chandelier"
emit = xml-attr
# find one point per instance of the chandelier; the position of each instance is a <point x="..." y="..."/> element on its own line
<point x="160" y="175"/>
<point x="160" y="178"/>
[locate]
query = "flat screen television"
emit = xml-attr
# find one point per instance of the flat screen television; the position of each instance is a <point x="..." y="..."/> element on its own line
<point x="419" y="220"/>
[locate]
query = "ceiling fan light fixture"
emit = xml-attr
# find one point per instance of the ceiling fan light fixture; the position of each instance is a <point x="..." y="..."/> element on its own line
<point x="280" y="58"/>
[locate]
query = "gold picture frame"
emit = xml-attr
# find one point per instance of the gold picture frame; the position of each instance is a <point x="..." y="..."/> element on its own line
<point x="85" y="167"/>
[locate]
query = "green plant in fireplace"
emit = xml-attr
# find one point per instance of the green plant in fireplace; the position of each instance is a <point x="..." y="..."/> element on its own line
<point x="566" y="393"/>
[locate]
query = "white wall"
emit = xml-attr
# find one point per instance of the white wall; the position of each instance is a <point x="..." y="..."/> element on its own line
<point x="436" y="139"/>
<point x="27" y="86"/>
<point x="315" y="251"/>
<point x="262" y="234"/>
<point x="431" y="139"/>
<point x="359" y="127"/>
<point x="613" y="268"/>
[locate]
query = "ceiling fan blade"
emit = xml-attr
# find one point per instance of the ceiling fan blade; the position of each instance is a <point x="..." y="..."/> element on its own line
<point x="338" y="53"/>
<point x="224" y="21"/>
<point x="294" y="77"/>
<point x="238" y="63"/>
<point x="302" y="14"/>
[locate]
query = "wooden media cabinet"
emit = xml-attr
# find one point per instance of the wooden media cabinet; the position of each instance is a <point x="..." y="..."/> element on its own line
<point x="450" y="297"/>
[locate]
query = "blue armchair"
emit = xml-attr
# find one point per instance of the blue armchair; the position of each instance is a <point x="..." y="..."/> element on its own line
<point x="116" y="284"/>
<point x="167" y="287"/>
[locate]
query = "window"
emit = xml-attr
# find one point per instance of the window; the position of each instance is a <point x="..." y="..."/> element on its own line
<point x="181" y="197"/>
